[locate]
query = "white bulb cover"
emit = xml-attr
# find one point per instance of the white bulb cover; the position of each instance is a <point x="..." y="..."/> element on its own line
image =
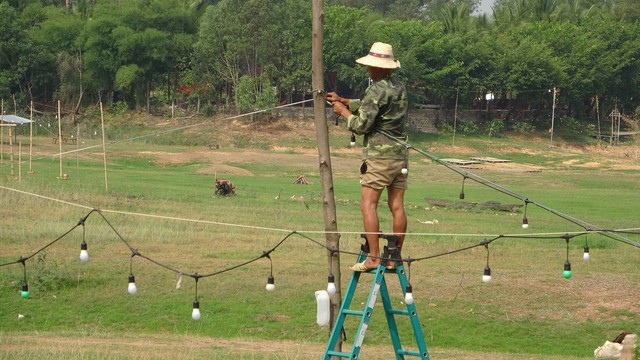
<point x="408" y="298"/>
<point x="331" y="288"/>
<point x="486" y="278"/>
<point x="324" y="313"/>
<point x="404" y="171"/>
<point x="195" y="314"/>
<point x="586" y="256"/>
<point x="270" y="287"/>
<point x="133" y="289"/>
<point x="525" y="226"/>
<point x="84" y="256"/>
<point x="353" y="143"/>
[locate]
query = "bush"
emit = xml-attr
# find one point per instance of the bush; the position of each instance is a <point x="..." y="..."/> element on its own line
<point x="468" y="128"/>
<point x="523" y="127"/>
<point x="495" y="127"/>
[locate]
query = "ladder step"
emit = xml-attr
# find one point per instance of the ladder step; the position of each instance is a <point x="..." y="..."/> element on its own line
<point x="409" y="352"/>
<point x="353" y="312"/>
<point x="399" y="312"/>
<point x="337" y="353"/>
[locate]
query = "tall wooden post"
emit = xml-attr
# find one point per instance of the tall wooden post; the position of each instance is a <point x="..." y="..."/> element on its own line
<point x="322" y="139"/>
<point x="11" y="150"/>
<point x="60" y="140"/>
<point x="30" y="137"/>
<point x="1" y="132"/>
<point x="104" y="149"/>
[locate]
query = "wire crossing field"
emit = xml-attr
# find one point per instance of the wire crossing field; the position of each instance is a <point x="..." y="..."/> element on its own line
<point x="161" y="199"/>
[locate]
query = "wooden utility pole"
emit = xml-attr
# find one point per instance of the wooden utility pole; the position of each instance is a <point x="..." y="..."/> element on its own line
<point x="104" y="149"/>
<point x="30" y="137"/>
<point x="326" y="175"/>
<point x="61" y="176"/>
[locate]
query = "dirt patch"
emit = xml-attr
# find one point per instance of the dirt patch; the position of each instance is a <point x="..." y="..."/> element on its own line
<point x="169" y="346"/>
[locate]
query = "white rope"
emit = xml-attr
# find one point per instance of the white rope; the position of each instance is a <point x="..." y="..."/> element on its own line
<point x="263" y="228"/>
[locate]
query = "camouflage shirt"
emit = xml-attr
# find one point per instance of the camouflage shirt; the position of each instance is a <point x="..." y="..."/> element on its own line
<point x="383" y="107"/>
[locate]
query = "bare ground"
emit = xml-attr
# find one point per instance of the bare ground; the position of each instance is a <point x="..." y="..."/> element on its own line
<point x="171" y="346"/>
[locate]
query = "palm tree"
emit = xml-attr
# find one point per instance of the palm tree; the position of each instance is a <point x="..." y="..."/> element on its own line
<point x="455" y="18"/>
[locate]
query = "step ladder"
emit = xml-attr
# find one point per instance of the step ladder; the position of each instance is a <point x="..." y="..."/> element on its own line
<point x="378" y="287"/>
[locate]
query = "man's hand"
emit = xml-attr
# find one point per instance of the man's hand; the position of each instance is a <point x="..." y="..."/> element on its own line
<point x="340" y="109"/>
<point x="332" y="97"/>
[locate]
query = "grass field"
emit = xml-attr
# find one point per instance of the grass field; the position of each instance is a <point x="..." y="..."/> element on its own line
<point x="160" y="202"/>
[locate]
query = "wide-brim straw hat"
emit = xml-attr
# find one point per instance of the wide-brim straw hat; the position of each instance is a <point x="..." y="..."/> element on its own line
<point x="380" y="56"/>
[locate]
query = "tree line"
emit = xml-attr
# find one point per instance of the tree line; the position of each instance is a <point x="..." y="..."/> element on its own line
<point x="252" y="54"/>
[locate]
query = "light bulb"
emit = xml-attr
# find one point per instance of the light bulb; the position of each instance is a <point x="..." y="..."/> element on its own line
<point x="525" y="223"/>
<point x="195" y="314"/>
<point x="404" y="171"/>
<point x="331" y="286"/>
<point x="353" y="139"/>
<point x="486" y="277"/>
<point x="270" y="283"/>
<point x="84" y="255"/>
<point x="132" y="285"/>
<point x="408" y="296"/>
<point x="585" y="255"/>
<point x="567" y="270"/>
<point x="25" y="291"/>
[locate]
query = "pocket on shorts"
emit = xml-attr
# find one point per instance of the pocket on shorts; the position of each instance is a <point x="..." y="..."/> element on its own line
<point x="363" y="168"/>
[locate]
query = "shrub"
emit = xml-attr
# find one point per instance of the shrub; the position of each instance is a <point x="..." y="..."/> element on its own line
<point x="495" y="127"/>
<point x="523" y="127"/>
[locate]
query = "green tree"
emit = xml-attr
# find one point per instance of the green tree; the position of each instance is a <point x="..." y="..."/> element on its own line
<point x="149" y="36"/>
<point x="57" y="34"/>
<point x="254" y="93"/>
<point x="344" y="40"/>
<point x="253" y="38"/>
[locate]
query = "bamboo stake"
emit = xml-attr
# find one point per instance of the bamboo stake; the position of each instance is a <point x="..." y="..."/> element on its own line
<point x="455" y="118"/>
<point x="60" y="141"/>
<point x="30" y="137"/>
<point x="104" y="150"/>
<point x="2" y="133"/>
<point x="11" y="151"/>
<point x="19" y="161"/>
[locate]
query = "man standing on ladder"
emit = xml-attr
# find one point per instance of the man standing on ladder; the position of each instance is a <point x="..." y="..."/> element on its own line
<point x="384" y="161"/>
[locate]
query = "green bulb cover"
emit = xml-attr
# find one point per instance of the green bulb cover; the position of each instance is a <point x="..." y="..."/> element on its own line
<point x="24" y="294"/>
<point x="567" y="274"/>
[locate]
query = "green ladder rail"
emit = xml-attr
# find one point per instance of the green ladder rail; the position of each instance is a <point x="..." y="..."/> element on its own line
<point x="378" y="287"/>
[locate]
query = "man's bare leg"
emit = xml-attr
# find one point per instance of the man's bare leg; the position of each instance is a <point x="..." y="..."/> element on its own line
<point x="369" y="208"/>
<point x="396" y="205"/>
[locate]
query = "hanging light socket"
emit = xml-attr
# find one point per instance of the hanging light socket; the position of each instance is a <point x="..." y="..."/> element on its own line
<point x="331" y="284"/>
<point x="408" y="295"/>
<point x="132" y="289"/>
<point x="486" y="276"/>
<point x="525" y="222"/>
<point x="195" y="314"/>
<point x="25" y="291"/>
<point x="270" y="283"/>
<point x="586" y="256"/>
<point x="84" y="255"/>
<point x="567" y="270"/>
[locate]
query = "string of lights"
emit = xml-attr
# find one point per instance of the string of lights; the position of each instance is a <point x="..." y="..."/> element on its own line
<point x="270" y="286"/>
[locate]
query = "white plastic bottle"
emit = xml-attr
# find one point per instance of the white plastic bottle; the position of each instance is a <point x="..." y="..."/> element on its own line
<point x="323" y="316"/>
